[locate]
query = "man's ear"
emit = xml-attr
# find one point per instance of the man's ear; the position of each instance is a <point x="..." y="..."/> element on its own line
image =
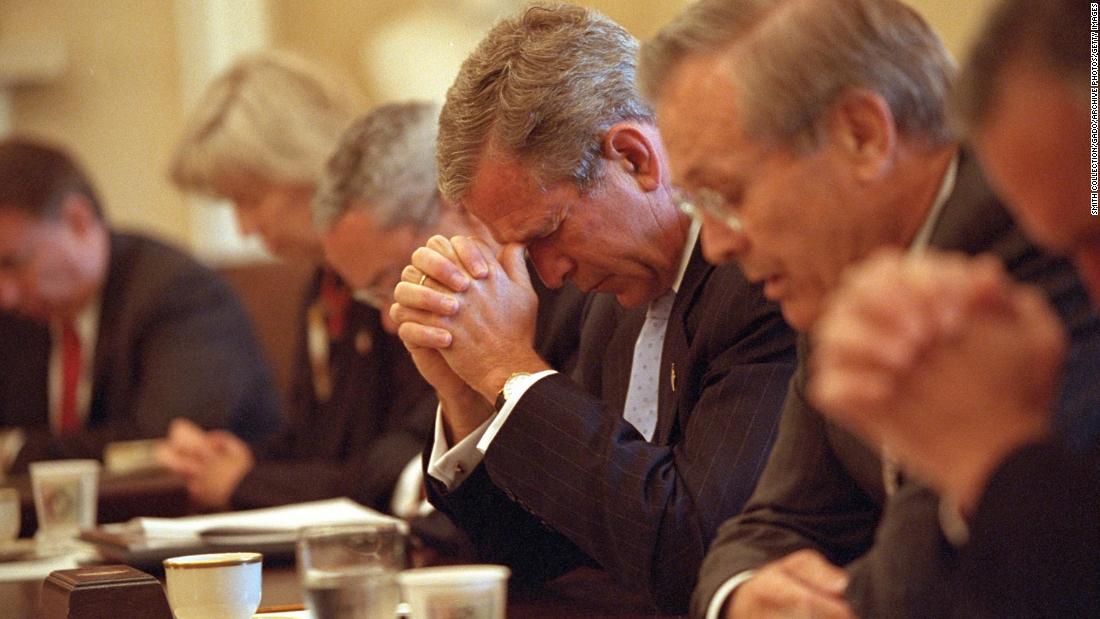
<point x="862" y="126"/>
<point x="634" y="150"/>
<point x="78" y="213"/>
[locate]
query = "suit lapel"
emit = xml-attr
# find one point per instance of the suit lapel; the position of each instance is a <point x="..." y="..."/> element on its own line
<point x="675" y="358"/>
<point x="973" y="219"/>
<point x="112" y="304"/>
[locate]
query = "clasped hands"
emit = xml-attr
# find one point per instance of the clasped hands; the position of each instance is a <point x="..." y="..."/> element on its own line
<point x="468" y="318"/>
<point x="212" y="463"/>
<point x="942" y="358"/>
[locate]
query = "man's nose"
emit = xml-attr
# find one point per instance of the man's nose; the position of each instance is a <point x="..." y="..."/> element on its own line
<point x="722" y="244"/>
<point x="551" y="266"/>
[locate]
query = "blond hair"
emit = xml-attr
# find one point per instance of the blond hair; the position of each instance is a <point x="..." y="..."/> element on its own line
<point x="543" y="85"/>
<point x="272" y="115"/>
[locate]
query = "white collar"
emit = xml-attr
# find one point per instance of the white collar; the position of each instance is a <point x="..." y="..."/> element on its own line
<point x="947" y="185"/>
<point x="685" y="258"/>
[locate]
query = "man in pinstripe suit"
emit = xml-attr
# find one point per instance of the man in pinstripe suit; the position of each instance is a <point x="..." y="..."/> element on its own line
<point x="631" y="463"/>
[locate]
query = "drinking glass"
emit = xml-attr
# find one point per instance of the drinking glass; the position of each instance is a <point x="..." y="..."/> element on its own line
<point x="349" y="571"/>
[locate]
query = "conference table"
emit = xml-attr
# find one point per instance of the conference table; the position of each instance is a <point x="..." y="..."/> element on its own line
<point x="585" y="593"/>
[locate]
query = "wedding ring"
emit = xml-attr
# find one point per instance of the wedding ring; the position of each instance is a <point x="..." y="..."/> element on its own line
<point x="423" y="278"/>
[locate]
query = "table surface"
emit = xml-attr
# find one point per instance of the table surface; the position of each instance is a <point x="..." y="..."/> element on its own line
<point x="582" y="594"/>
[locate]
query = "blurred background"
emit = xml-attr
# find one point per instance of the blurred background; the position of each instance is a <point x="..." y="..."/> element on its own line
<point x="112" y="79"/>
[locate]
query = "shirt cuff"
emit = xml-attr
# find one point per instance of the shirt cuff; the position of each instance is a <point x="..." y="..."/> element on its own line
<point x="406" y="492"/>
<point x="452" y="465"/>
<point x="498" y="420"/>
<point x="714" y="609"/>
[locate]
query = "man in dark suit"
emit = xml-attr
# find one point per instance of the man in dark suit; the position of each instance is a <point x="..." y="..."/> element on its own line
<point x="813" y="134"/>
<point x="662" y="431"/>
<point x="970" y="402"/>
<point x="109" y="336"/>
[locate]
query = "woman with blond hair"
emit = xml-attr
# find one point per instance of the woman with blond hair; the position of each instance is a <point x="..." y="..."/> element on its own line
<point x="260" y="137"/>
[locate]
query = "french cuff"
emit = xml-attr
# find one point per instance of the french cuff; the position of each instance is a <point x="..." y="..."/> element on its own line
<point x="452" y="465"/>
<point x="714" y="609"/>
<point x="406" y="493"/>
<point x="521" y="385"/>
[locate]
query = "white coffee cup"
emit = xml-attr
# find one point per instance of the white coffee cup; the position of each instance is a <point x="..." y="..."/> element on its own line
<point x="214" y="586"/>
<point x="477" y="591"/>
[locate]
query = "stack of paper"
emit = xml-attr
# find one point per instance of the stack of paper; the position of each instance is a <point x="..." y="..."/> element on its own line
<point x="272" y="530"/>
<point x="274" y="520"/>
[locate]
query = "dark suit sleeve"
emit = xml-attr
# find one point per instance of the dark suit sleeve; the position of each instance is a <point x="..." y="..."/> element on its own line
<point x="368" y="475"/>
<point x="182" y="350"/>
<point x="355" y="444"/>
<point x="1035" y="538"/>
<point x="804" y="499"/>
<point x="645" y="512"/>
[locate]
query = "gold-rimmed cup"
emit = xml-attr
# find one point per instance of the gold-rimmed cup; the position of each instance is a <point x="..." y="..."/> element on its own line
<point x="223" y="585"/>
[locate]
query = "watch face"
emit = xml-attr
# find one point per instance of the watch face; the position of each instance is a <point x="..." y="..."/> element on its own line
<point x="512" y="384"/>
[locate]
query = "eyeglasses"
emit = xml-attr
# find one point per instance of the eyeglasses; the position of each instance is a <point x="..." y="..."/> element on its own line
<point x="708" y="201"/>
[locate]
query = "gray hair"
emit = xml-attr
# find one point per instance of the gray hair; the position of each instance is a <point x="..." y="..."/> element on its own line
<point x="271" y="114"/>
<point x="1049" y="32"/>
<point x="543" y="85"/>
<point x="386" y="163"/>
<point x="794" y="58"/>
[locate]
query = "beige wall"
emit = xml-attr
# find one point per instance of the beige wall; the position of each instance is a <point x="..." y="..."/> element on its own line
<point x="119" y="107"/>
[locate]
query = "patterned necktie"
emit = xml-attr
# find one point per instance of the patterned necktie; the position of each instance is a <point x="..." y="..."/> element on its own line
<point x="70" y="378"/>
<point x="641" y="395"/>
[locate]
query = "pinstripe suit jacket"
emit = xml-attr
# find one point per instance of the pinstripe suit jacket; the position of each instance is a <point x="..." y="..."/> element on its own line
<point x="823" y="487"/>
<point x="568" y="482"/>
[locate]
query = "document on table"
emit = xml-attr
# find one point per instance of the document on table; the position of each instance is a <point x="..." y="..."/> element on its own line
<point x="271" y="520"/>
<point x="272" y="530"/>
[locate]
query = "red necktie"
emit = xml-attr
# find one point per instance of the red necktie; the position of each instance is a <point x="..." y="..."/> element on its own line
<point x="70" y="378"/>
<point x="335" y="298"/>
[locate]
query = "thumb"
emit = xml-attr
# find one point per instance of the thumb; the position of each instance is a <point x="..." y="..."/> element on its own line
<point x="513" y="258"/>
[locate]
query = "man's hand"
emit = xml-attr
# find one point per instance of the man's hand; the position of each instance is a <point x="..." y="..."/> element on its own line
<point x="802" y="584"/>
<point x="211" y="463"/>
<point x="420" y="301"/>
<point x="477" y="311"/>
<point x="944" y="360"/>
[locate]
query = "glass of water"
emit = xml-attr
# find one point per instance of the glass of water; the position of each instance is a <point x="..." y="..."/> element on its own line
<point x="349" y="571"/>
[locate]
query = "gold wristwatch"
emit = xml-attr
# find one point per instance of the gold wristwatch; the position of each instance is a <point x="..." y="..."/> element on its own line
<point x="508" y="391"/>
